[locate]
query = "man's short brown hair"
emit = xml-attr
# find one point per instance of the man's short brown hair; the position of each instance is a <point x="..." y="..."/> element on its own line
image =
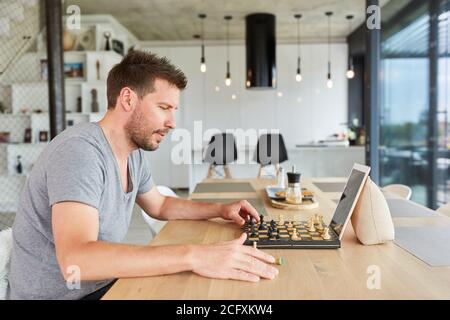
<point x="138" y="71"/>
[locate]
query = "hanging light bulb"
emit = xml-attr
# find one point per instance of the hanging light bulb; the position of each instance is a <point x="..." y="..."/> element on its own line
<point x="350" y="71"/>
<point x="298" y="76"/>
<point x="228" y="74"/>
<point x="202" y="16"/>
<point x="329" y="80"/>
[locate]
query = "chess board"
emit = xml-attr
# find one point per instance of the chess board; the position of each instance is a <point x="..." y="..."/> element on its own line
<point x="281" y="235"/>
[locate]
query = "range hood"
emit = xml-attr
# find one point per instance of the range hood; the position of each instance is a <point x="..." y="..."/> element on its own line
<point x="261" y="70"/>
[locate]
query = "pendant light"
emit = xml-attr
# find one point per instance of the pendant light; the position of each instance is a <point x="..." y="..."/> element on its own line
<point x="228" y="74"/>
<point x="350" y="70"/>
<point x="329" y="80"/>
<point x="202" y="16"/>
<point x="298" y="76"/>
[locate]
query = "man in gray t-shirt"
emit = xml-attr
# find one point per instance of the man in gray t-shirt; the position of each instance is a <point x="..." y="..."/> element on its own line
<point x="76" y="206"/>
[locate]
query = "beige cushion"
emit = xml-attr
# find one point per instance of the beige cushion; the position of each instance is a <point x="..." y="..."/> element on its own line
<point x="371" y="219"/>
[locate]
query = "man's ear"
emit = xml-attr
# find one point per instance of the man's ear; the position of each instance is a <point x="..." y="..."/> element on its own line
<point x="127" y="99"/>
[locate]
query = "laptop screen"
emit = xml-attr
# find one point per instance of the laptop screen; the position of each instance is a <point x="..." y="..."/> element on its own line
<point x="348" y="199"/>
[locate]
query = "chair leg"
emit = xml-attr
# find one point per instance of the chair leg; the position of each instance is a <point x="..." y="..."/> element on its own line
<point x="211" y="171"/>
<point x="227" y="172"/>
<point x="260" y="171"/>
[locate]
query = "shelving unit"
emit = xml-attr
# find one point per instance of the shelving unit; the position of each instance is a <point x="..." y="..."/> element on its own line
<point x="27" y="100"/>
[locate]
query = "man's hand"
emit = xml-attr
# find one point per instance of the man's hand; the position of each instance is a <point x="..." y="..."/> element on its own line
<point x="233" y="260"/>
<point x="239" y="212"/>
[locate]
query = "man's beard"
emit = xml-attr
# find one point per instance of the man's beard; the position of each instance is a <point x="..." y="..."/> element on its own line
<point x="140" y="134"/>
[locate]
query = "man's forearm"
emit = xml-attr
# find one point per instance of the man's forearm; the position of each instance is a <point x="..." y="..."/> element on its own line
<point x="104" y="260"/>
<point x="175" y="208"/>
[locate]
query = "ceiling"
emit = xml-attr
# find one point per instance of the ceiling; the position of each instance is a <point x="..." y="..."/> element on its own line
<point x="161" y="20"/>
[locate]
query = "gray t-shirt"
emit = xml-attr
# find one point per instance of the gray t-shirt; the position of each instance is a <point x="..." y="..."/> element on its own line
<point x="78" y="165"/>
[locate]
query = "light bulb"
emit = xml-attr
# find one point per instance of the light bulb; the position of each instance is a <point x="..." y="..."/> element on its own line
<point x="329" y="83"/>
<point x="298" y="77"/>
<point x="350" y="74"/>
<point x="203" y="67"/>
<point x="228" y="82"/>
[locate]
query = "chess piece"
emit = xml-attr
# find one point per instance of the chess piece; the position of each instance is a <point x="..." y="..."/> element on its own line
<point x="294" y="235"/>
<point x="279" y="261"/>
<point x="97" y="66"/>
<point x="311" y="227"/>
<point x="261" y="219"/>
<point x="289" y="225"/>
<point x="94" y="102"/>
<point x="326" y="234"/>
<point x="107" y="35"/>
<point x="19" y="167"/>
<point x="254" y="244"/>
<point x="281" y="220"/>
<point x="262" y="226"/>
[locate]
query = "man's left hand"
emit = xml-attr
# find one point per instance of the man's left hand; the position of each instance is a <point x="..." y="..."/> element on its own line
<point x="239" y="212"/>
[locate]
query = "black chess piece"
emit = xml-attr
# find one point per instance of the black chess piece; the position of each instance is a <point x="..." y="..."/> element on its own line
<point x="254" y="233"/>
<point x="262" y="226"/>
<point x="261" y="219"/>
<point x="19" y="167"/>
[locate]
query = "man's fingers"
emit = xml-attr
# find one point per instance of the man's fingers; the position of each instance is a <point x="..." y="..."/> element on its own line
<point x="237" y="274"/>
<point x="241" y="239"/>
<point x="252" y="265"/>
<point x="261" y="255"/>
<point x="247" y="207"/>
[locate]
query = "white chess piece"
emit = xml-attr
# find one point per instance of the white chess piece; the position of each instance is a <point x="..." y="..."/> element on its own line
<point x="326" y="234"/>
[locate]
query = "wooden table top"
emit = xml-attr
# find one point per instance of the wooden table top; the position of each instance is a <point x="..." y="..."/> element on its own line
<point x="307" y="274"/>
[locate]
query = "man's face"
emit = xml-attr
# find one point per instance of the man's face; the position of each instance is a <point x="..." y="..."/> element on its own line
<point x="153" y="116"/>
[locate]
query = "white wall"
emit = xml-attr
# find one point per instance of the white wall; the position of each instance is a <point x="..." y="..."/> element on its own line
<point x="307" y="111"/>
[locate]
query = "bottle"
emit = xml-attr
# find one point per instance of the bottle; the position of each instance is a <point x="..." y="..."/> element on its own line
<point x="19" y="165"/>
<point x="294" y="191"/>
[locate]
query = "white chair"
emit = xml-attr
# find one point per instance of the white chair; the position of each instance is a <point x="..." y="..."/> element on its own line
<point x="444" y="209"/>
<point x="5" y="256"/>
<point x="399" y="189"/>
<point x="153" y="224"/>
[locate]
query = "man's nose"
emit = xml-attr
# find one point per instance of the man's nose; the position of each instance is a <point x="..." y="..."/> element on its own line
<point x="171" y="123"/>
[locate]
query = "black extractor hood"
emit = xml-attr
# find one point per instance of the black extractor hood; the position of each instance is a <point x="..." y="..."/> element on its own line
<point x="261" y="72"/>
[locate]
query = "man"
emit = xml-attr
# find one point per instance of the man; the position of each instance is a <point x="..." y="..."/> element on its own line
<point x="77" y="202"/>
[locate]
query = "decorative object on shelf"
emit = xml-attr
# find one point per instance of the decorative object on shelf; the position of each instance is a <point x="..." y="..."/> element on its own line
<point x="2" y="108"/>
<point x="27" y="135"/>
<point x="73" y="70"/>
<point x="4" y="136"/>
<point x="131" y="49"/>
<point x="43" y="136"/>
<point x="228" y="74"/>
<point x="38" y="110"/>
<point x="86" y="40"/>
<point x="202" y="16"/>
<point x="97" y="68"/>
<point x="68" y="41"/>
<point x="24" y="110"/>
<point x="329" y="79"/>
<point x="107" y="35"/>
<point x="44" y="69"/>
<point x="79" y="105"/>
<point x="298" y="75"/>
<point x="19" y="167"/>
<point x="94" y="102"/>
<point x="70" y="123"/>
<point x="117" y="46"/>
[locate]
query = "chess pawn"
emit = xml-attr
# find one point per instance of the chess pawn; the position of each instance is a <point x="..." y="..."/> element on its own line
<point x="290" y="225"/>
<point x="294" y="235"/>
<point x="281" y="220"/>
<point x="326" y="234"/>
<point x="311" y="227"/>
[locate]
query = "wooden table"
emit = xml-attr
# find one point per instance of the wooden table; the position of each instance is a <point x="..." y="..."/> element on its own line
<point x="307" y="274"/>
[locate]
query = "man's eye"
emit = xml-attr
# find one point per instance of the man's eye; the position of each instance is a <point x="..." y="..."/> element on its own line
<point x="164" y="107"/>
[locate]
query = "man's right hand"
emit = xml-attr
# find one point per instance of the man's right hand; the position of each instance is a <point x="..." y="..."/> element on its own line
<point x="233" y="260"/>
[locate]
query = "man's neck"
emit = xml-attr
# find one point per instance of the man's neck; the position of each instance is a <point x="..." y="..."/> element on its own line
<point x="116" y="136"/>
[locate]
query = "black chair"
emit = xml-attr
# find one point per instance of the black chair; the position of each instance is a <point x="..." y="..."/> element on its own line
<point x="270" y="150"/>
<point x="221" y="151"/>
